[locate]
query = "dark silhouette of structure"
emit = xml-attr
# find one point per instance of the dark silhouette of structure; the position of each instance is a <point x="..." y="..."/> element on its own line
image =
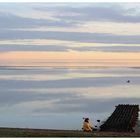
<point x="123" y="119"/>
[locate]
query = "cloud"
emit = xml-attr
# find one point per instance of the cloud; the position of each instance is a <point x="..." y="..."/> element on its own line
<point x="113" y="13"/>
<point x="66" y="15"/>
<point x="57" y="48"/>
<point x="94" y="27"/>
<point x="9" y="20"/>
<point x="110" y="49"/>
<point x="70" y="36"/>
<point x="7" y="48"/>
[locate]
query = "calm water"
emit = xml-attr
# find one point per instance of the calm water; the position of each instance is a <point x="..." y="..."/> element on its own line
<point x="58" y="98"/>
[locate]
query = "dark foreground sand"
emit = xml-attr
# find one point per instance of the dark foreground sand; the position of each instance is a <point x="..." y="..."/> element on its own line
<point x="17" y="132"/>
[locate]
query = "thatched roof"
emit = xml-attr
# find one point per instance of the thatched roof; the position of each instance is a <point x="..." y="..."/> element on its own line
<point x="123" y="118"/>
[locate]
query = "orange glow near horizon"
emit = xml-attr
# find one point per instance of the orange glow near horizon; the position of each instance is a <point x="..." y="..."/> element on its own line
<point x="72" y="55"/>
<point x="98" y="58"/>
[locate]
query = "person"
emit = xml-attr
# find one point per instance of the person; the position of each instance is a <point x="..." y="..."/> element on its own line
<point x="86" y="125"/>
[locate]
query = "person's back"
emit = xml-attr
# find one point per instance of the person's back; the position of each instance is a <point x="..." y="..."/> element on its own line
<point x="86" y="125"/>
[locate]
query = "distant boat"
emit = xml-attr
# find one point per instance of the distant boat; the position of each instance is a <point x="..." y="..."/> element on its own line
<point x="128" y="81"/>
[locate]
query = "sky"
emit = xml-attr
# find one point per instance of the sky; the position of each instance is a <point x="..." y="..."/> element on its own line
<point x="34" y="32"/>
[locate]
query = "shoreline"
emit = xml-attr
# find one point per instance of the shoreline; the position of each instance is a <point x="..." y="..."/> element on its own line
<point x="29" y="132"/>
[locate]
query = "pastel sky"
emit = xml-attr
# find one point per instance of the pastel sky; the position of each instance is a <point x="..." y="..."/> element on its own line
<point x="67" y="34"/>
<point x="46" y="32"/>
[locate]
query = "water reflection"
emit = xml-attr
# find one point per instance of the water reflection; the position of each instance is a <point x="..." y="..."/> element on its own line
<point x="39" y="95"/>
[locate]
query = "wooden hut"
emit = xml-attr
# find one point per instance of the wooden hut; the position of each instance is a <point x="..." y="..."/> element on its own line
<point x="123" y="119"/>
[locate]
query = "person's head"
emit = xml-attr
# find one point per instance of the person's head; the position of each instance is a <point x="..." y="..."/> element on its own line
<point x="86" y="119"/>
